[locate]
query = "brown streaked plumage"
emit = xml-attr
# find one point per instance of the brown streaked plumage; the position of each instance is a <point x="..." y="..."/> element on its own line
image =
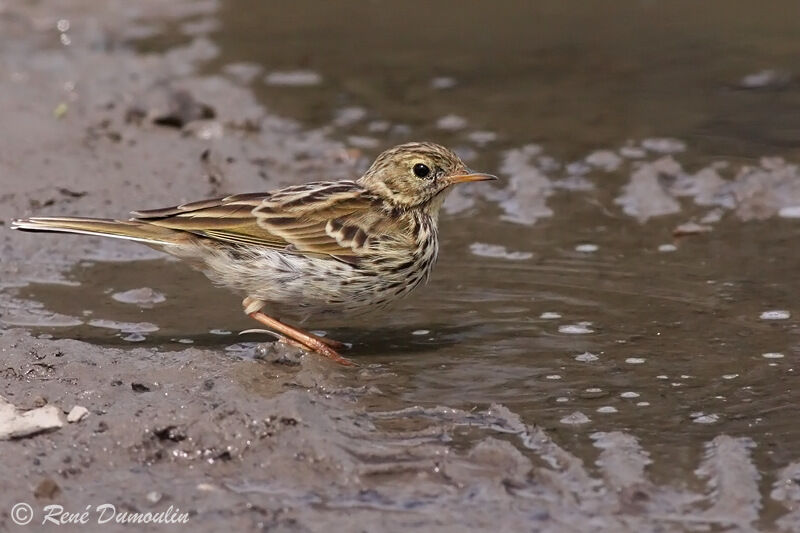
<point x="341" y="246"/>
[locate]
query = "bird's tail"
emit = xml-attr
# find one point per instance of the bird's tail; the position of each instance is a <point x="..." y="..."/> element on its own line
<point x="120" y="229"/>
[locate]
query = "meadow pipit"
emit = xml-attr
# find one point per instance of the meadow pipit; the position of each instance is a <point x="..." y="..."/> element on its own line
<point x="340" y="246"/>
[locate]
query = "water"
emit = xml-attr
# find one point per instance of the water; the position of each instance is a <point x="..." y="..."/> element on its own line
<point x="559" y="291"/>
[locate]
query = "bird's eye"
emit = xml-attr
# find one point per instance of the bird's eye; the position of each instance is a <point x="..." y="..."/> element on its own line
<point x="421" y="170"/>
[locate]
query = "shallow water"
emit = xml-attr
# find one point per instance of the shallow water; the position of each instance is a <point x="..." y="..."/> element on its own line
<point x="560" y="290"/>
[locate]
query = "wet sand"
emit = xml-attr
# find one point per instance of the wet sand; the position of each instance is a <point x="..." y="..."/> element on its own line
<point x="574" y="364"/>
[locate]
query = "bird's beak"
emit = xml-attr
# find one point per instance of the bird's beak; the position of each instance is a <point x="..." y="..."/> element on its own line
<point x="472" y="176"/>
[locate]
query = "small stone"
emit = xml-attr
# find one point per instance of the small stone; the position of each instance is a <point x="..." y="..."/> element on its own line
<point x="607" y="409"/>
<point x="667" y="248"/>
<point x="549" y="315"/>
<point x="586" y="357"/>
<point x="154" y="496"/>
<point x="772" y="355"/>
<point x="77" y="413"/>
<point x="635" y="360"/>
<point x="629" y="394"/>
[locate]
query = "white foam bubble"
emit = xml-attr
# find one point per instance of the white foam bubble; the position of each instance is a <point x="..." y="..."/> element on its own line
<point x="607" y="409"/>
<point x="587" y="248"/>
<point x="775" y="314"/>
<point x="549" y="315"/>
<point x="575" y="329"/>
<point x="575" y="418"/>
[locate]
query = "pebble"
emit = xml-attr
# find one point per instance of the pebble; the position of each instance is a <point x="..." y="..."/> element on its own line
<point x="586" y="357"/>
<point x="77" y="413"/>
<point x="549" y="315"/>
<point x="772" y="355"/>
<point x="607" y="409"/>
<point x="629" y="394"/>
<point x="635" y="360"/>
<point x="420" y="332"/>
<point x="667" y="248"/>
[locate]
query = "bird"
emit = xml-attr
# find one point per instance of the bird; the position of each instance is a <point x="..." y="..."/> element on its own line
<point x="340" y="247"/>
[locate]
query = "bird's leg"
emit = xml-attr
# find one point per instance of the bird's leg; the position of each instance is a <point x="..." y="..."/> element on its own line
<point x="251" y="305"/>
<point x="310" y="341"/>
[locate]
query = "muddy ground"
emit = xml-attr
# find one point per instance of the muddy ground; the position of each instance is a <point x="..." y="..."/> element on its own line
<point x="273" y="440"/>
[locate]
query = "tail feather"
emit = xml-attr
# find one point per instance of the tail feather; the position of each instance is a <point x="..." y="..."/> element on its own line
<point x="120" y="229"/>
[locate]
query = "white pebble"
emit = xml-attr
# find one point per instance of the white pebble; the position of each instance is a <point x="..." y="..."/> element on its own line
<point x="420" y="332"/>
<point x="642" y="404"/>
<point x="549" y="315"/>
<point x="77" y="413"/>
<point x="607" y="409"/>
<point x="574" y="329"/>
<point x="667" y="248"/>
<point x="553" y="376"/>
<point x="575" y="418"/>
<point x="772" y="355"/>
<point x="586" y="357"/>
<point x="730" y="376"/>
<point x="587" y="248"/>
<point x="662" y="376"/>
<point x="562" y="399"/>
<point x="776" y="314"/>
<point x="635" y="360"/>
<point x="629" y="394"/>
<point x="594" y="389"/>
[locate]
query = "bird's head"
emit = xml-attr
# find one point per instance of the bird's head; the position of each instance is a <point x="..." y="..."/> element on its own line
<point x="417" y="175"/>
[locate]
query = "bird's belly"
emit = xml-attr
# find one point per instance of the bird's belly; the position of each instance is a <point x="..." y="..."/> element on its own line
<point x="307" y="285"/>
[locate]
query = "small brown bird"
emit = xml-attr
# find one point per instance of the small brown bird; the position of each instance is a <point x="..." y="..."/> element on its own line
<point x="341" y="246"/>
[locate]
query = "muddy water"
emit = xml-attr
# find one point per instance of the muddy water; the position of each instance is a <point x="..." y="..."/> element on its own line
<point x="561" y="293"/>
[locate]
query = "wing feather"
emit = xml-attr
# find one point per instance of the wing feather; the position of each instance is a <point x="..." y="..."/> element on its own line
<point x="330" y="218"/>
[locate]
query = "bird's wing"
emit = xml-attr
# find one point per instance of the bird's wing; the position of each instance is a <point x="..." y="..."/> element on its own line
<point x="330" y="218"/>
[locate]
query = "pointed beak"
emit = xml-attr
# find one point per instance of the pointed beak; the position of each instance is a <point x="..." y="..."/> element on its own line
<point x="472" y="176"/>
